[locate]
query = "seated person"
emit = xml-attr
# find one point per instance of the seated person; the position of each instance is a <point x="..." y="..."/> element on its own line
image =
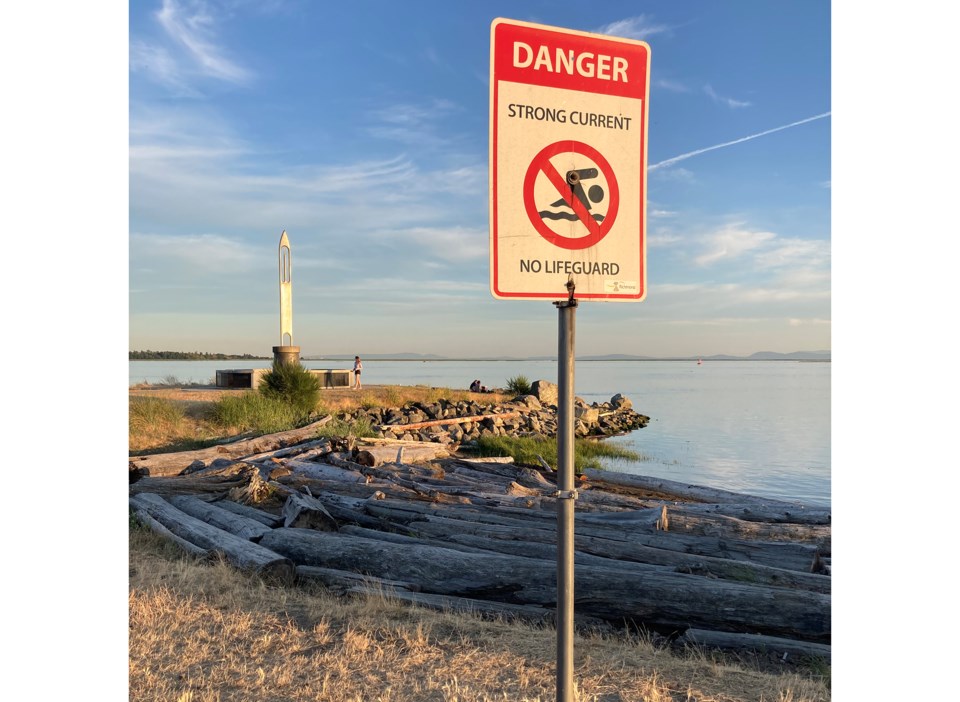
<point x="475" y="386"/>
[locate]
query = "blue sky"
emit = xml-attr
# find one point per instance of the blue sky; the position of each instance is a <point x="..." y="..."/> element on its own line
<point x="362" y="130"/>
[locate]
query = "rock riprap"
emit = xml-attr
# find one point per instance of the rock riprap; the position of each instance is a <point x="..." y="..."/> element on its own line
<point x="534" y="415"/>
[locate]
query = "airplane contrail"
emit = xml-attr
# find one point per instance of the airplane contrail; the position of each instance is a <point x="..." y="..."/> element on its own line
<point x="681" y="157"/>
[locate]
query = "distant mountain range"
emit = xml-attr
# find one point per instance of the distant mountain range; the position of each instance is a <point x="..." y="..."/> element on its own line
<point x="759" y="356"/>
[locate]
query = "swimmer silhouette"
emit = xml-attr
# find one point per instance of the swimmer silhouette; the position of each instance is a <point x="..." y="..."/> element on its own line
<point x="595" y="194"/>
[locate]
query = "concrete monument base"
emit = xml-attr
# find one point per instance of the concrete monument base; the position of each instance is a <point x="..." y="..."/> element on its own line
<point x="286" y="354"/>
<point x="250" y="377"/>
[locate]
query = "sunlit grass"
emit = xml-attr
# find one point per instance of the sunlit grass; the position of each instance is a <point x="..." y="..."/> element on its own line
<point x="338" y="428"/>
<point x="153" y="421"/>
<point x="153" y="412"/>
<point x="205" y="632"/>
<point x="528" y="450"/>
<point x="256" y="412"/>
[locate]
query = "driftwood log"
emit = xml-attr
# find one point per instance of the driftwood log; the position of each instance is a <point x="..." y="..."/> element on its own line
<point x="715" y="568"/>
<point x="704" y="638"/>
<point x="448" y="421"/>
<point x="176" y="463"/>
<point x="374" y="456"/>
<point x="215" y="515"/>
<point x="157" y="528"/>
<point x="666" y="601"/>
<point x="307" y="512"/>
<point x="467" y="605"/>
<point x="619" y="550"/>
<point x="243" y="554"/>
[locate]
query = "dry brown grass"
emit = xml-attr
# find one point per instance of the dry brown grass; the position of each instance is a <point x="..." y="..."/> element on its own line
<point x="208" y="633"/>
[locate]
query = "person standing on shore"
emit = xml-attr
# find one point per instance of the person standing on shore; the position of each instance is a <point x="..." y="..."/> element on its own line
<point x="357" y="367"/>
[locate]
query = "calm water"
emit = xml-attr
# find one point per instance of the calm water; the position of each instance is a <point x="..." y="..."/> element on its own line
<point x="760" y="427"/>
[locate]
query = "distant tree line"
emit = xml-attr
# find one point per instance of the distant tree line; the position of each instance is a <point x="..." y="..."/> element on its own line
<point x="188" y="356"/>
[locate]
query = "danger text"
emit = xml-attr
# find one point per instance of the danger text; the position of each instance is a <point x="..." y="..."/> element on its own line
<point x="551" y="114"/>
<point x="568" y="267"/>
<point x="585" y="63"/>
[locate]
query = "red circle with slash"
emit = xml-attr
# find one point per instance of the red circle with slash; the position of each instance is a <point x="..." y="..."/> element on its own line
<point x="541" y="164"/>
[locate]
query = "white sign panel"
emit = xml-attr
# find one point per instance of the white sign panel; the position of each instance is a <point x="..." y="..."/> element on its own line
<point x="568" y="126"/>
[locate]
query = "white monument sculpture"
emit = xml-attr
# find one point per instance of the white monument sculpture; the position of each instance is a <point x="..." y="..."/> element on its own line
<point x="286" y="352"/>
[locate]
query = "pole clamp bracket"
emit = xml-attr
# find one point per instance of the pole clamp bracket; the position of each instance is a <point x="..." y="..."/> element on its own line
<point x="566" y="494"/>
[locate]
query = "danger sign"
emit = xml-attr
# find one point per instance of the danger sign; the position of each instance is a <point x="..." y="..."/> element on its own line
<point x="568" y="118"/>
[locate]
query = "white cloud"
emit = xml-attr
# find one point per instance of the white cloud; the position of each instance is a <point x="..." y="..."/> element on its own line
<point x="806" y="277"/>
<point x="344" y="178"/>
<point x="195" y="29"/>
<point x="159" y="65"/>
<point x="729" y="102"/>
<point x="713" y="322"/>
<point x="415" y="115"/>
<point x="729" y="243"/>
<point x="186" y="166"/>
<point x="639" y="27"/>
<point x="455" y="244"/>
<point x="414" y="124"/>
<point x="179" y="149"/>
<point x="662" y="240"/>
<point x="210" y="252"/>
<point x="795" y="252"/>
<point x="670" y="85"/>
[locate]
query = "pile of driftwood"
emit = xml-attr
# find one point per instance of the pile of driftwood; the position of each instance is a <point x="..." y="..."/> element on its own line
<point x="422" y="524"/>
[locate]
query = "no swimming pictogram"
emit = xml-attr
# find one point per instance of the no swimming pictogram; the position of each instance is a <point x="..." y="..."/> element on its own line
<point x="560" y="169"/>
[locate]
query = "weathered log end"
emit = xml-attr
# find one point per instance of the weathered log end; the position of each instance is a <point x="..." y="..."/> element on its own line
<point x="820" y="564"/>
<point x="255" y="492"/>
<point x="306" y="512"/>
<point x="282" y="571"/>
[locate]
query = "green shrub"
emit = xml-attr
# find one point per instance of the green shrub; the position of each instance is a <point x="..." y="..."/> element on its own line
<point x="293" y="384"/>
<point x="257" y="412"/>
<point x="519" y="385"/>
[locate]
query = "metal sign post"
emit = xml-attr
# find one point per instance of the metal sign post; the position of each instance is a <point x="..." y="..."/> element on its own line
<point x="568" y="137"/>
<point x="566" y="494"/>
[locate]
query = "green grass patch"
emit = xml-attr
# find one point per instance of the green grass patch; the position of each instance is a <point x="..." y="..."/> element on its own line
<point x="338" y="428"/>
<point x="587" y="454"/>
<point x="149" y="412"/>
<point x="156" y="422"/>
<point x="254" y="411"/>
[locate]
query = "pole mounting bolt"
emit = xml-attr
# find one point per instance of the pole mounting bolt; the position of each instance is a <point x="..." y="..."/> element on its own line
<point x="573" y="177"/>
<point x="566" y="494"/>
